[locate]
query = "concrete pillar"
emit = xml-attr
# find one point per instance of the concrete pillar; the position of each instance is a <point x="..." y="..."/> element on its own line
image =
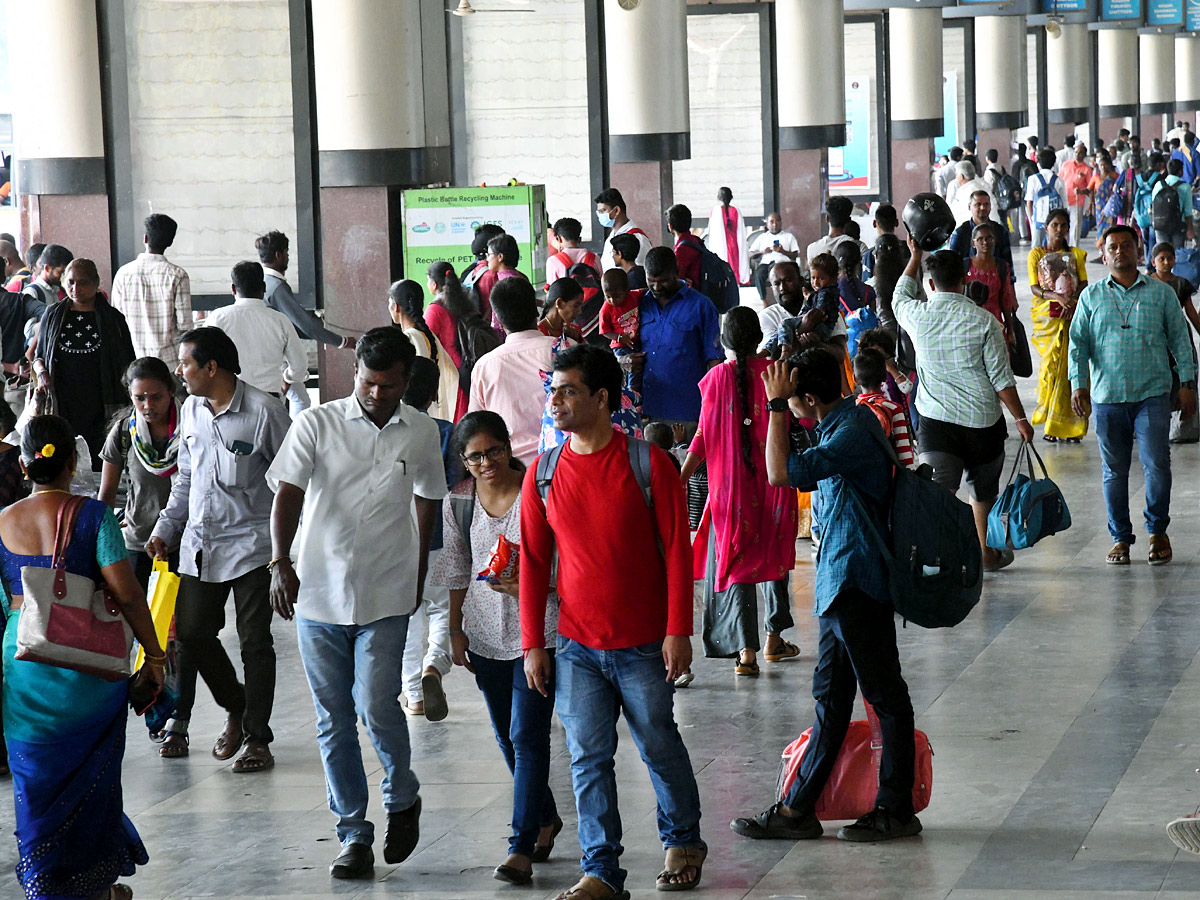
<point x="1187" y="73"/>
<point x="1151" y="127"/>
<point x="912" y="161"/>
<point x="1118" y="84"/>
<point x="1068" y="90"/>
<point x="383" y="124"/>
<point x="915" y="73"/>
<point x="60" y="170"/>
<point x="812" y="108"/>
<point x="998" y="139"/>
<point x="1156" y="70"/>
<point x="1001" y="98"/>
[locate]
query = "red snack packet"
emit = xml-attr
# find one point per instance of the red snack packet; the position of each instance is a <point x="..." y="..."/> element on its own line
<point x="502" y="561"/>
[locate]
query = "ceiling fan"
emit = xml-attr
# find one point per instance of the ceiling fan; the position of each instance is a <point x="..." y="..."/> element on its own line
<point x="465" y="8"/>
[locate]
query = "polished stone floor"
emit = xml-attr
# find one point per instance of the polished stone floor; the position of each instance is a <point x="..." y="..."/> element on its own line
<point x="1064" y="714"/>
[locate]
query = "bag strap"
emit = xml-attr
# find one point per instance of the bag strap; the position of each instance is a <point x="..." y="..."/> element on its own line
<point x="64" y="528"/>
<point x="544" y="472"/>
<point x="639" y="461"/>
<point x="462" y="508"/>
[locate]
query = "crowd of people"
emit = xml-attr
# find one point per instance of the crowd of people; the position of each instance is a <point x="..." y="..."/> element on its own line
<point x="486" y="495"/>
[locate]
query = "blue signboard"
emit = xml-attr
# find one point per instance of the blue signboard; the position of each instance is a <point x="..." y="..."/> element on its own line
<point x="1064" y="6"/>
<point x="1165" y="12"/>
<point x="1121" y="10"/>
<point x="1192" y="22"/>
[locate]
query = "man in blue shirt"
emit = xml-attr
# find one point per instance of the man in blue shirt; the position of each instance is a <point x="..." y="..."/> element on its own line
<point x="857" y="629"/>
<point x="680" y="332"/>
<point x="1125" y="330"/>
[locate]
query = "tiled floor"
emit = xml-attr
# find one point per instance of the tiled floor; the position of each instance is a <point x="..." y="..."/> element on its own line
<point x="1064" y="714"/>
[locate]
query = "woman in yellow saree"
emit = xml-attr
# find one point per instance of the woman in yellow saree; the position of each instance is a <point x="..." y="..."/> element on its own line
<point x="1056" y="288"/>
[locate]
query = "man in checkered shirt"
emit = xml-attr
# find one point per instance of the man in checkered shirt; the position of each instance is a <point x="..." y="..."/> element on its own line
<point x="155" y="295"/>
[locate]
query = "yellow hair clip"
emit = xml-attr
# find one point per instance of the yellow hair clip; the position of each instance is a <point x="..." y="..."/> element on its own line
<point x="47" y="451"/>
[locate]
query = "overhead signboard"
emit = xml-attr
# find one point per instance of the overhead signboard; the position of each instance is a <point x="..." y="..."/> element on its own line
<point x="1120" y="10"/>
<point x="1064" y="6"/>
<point x="1164" y="12"/>
<point x="1192" y="16"/>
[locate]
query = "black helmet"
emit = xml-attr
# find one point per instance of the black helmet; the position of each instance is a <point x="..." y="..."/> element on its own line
<point x="929" y="220"/>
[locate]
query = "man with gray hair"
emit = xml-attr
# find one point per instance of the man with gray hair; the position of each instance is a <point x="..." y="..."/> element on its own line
<point x="966" y="182"/>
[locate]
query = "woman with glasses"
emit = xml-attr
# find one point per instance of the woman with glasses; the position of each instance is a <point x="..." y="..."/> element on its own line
<point x="485" y="631"/>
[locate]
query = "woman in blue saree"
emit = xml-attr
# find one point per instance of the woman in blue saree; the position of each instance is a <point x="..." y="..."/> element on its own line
<point x="66" y="729"/>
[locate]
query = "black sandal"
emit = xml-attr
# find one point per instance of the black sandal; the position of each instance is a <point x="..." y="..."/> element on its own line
<point x="541" y="852"/>
<point x="175" y="745"/>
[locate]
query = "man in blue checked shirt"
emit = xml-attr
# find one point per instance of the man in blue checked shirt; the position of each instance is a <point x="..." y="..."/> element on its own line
<point x="857" y="627"/>
<point x="1124" y="334"/>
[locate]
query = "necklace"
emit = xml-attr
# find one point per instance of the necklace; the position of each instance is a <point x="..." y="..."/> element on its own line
<point x="52" y="491"/>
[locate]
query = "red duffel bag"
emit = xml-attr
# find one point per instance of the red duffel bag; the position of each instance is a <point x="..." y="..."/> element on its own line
<point x="854" y="783"/>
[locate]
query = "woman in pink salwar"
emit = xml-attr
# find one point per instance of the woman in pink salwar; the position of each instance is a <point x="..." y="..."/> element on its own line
<point x="747" y="537"/>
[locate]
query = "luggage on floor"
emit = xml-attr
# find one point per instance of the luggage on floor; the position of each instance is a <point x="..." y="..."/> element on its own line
<point x="854" y="781"/>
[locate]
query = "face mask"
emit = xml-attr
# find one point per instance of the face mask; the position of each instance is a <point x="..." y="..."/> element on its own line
<point x="605" y="220"/>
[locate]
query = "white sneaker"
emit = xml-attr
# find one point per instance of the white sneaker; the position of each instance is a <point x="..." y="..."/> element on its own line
<point x="1185" y="833"/>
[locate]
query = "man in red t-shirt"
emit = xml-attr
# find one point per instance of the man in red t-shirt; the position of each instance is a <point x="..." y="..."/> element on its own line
<point x="687" y="245"/>
<point x="625" y="618"/>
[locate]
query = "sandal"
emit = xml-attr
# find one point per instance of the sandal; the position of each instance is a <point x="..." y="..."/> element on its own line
<point x="229" y="741"/>
<point x="742" y="668"/>
<point x="174" y="745"/>
<point x="1118" y="555"/>
<point x="120" y="892"/>
<point x="1049" y="439"/>
<point x="1160" y="550"/>
<point x="255" y="758"/>
<point x="786" y="651"/>
<point x="590" y="888"/>
<point x="513" y="874"/>
<point x="541" y="852"/>
<point x="679" y="860"/>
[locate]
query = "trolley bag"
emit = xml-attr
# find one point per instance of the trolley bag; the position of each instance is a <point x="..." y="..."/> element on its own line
<point x="854" y="782"/>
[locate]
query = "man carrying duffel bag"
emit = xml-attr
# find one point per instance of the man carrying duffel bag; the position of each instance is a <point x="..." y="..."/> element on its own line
<point x="850" y="467"/>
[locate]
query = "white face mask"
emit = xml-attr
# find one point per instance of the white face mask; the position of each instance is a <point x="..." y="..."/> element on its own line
<point x="605" y="219"/>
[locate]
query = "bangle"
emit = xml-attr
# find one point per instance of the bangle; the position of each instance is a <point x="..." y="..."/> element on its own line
<point x="276" y="561"/>
<point x="156" y="660"/>
<point x="1022" y="419"/>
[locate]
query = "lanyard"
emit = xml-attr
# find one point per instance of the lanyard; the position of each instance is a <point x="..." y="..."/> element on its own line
<point x="1125" y="313"/>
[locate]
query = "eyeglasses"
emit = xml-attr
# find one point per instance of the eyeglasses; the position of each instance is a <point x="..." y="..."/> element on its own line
<point x="495" y="454"/>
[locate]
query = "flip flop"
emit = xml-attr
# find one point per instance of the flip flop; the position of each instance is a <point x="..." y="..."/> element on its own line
<point x="678" y="861"/>
<point x="1118" y="555"/>
<point x="229" y="741"/>
<point x="1160" y="550"/>
<point x="590" y="888"/>
<point x="255" y="758"/>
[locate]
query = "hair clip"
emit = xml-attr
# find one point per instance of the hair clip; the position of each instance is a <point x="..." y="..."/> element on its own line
<point x="46" y="452"/>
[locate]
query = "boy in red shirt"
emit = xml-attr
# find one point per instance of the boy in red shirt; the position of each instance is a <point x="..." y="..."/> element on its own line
<point x="625" y="618"/>
<point x="619" y="317"/>
<point x="870" y="371"/>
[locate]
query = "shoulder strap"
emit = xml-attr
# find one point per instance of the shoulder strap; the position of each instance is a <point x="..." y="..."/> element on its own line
<point x="544" y="472"/>
<point x="637" y="231"/>
<point x="639" y="460"/>
<point x="68" y="512"/>
<point x="563" y="257"/>
<point x="1042" y="179"/>
<point x="462" y="507"/>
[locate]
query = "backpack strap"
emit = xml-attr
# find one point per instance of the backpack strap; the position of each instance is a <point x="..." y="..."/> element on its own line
<point x="462" y="507"/>
<point x="637" y="231"/>
<point x="544" y="471"/>
<point x="639" y="460"/>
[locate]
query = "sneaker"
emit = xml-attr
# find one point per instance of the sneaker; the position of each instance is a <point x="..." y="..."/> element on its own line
<point x="879" y="825"/>
<point x="685" y="679"/>
<point x="775" y="825"/>
<point x="1185" y="833"/>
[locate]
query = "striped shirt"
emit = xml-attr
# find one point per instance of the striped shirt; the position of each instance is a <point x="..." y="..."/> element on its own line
<point x="892" y="417"/>
<point x="155" y="296"/>
<point x="962" y="357"/>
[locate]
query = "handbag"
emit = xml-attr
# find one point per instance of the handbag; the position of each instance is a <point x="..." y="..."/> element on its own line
<point x="1029" y="508"/>
<point x="854" y="782"/>
<point x="65" y="621"/>
<point x="1019" y="357"/>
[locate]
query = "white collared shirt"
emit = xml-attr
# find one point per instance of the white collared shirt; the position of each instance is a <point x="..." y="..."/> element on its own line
<point x="359" y="542"/>
<point x="269" y="350"/>
<point x="644" y="245"/>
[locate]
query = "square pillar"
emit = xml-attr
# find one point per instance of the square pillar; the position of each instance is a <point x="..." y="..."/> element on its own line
<point x="803" y="182"/>
<point x="360" y="255"/>
<point x="912" y="163"/>
<point x="648" y="188"/>
<point x="78" y="222"/>
<point x="998" y="139"/>
<point x="1150" y="128"/>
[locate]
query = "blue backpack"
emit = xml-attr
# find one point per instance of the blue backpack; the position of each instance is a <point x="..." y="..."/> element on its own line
<point x="1187" y="264"/>
<point x="1028" y="509"/>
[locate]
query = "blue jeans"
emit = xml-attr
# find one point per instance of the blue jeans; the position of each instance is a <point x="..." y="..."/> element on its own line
<point x="1117" y="425"/>
<point x="593" y="688"/>
<point x="521" y="719"/>
<point x="353" y="671"/>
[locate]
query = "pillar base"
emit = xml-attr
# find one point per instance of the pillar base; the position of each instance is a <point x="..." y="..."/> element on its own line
<point x="78" y="222"/>
<point x="361" y="229"/>
<point x="648" y="188"/>
<point x="803" y="183"/>
<point x="912" y="163"/>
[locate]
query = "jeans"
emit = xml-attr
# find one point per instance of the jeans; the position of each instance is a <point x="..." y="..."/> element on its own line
<point x="1117" y="425"/>
<point x="521" y="719"/>
<point x="593" y="688"/>
<point x="856" y="645"/>
<point x="762" y="280"/>
<point x="199" y="618"/>
<point x="419" y="655"/>
<point x="353" y="671"/>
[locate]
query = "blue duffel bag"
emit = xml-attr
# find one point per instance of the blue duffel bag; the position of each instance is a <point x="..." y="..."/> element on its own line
<point x="1029" y="508"/>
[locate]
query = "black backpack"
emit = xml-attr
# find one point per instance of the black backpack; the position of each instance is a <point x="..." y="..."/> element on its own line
<point x="474" y="338"/>
<point x="1166" y="214"/>
<point x="932" y="553"/>
<point x="717" y="281"/>
<point x="1008" y="192"/>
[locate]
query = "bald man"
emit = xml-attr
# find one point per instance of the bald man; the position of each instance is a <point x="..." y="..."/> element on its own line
<point x="12" y="259"/>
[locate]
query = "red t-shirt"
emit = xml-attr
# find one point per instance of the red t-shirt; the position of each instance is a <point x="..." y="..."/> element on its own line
<point x="615" y="588"/>
<point x="687" y="255"/>
<point x="622" y="319"/>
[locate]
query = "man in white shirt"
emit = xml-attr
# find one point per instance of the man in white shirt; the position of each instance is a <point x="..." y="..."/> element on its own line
<point x="787" y="299"/>
<point x="357" y="468"/>
<point x="944" y="175"/>
<point x="838" y="211"/>
<point x="772" y="246"/>
<point x="155" y="295"/>
<point x="611" y="213"/>
<point x="268" y="347"/>
<point x="1043" y="180"/>
<point x="966" y="183"/>
<point x="1064" y="154"/>
<point x="508" y="380"/>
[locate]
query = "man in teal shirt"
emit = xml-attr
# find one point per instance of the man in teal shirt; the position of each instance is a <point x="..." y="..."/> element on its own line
<point x="1124" y="332"/>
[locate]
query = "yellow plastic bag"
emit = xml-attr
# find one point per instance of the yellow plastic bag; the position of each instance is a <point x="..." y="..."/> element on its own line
<point x="161" y="593"/>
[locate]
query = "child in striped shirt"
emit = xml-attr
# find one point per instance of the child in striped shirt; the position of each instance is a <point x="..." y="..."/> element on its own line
<point x="870" y="371"/>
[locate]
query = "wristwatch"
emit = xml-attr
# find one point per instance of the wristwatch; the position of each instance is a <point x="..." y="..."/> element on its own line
<point x="779" y="404"/>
